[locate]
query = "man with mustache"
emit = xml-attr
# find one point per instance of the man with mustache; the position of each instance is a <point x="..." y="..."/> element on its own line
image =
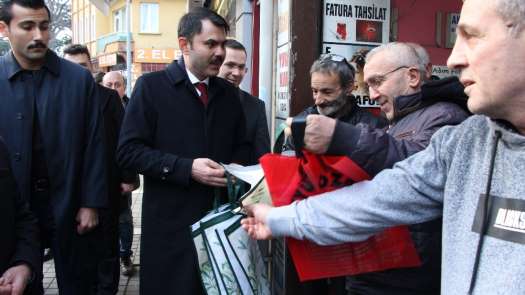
<point x="179" y="125"/>
<point x="332" y="83"/>
<point x="52" y="127"/>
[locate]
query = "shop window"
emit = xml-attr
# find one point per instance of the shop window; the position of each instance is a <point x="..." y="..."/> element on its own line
<point x="149" y="17"/>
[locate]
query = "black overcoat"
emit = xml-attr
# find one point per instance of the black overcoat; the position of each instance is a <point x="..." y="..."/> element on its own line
<point x="72" y="135"/>
<point x="18" y="226"/>
<point x="256" y="126"/>
<point x="165" y="127"/>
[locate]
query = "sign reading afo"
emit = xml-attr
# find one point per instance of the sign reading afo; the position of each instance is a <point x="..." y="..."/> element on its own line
<point x="152" y="55"/>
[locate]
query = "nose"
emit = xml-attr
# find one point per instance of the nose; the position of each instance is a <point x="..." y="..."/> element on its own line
<point x="374" y="94"/>
<point x="236" y="72"/>
<point x="37" y="33"/>
<point x="318" y="98"/>
<point x="457" y="58"/>
<point x="220" y="51"/>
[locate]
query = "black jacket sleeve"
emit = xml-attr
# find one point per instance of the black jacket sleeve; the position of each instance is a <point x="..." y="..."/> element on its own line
<point x="262" y="136"/>
<point x="135" y="150"/>
<point x="376" y="149"/>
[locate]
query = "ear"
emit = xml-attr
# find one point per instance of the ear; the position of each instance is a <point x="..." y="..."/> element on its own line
<point x="414" y="78"/>
<point x="4" y="29"/>
<point x="184" y="45"/>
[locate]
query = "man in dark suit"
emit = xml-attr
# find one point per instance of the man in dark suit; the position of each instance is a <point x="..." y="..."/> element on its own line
<point x="52" y="127"/>
<point x="180" y="123"/>
<point x="20" y="247"/>
<point x="233" y="70"/>
<point x="102" y="249"/>
<point x="114" y="80"/>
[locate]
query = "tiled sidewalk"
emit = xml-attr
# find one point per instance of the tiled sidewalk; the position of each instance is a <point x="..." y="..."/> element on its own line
<point x="127" y="286"/>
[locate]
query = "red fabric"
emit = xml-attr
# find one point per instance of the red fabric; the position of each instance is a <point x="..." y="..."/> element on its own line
<point x="203" y="88"/>
<point x="290" y="179"/>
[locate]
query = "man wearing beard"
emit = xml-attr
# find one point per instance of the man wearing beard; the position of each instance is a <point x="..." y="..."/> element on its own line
<point x="332" y="82"/>
<point x="179" y="125"/>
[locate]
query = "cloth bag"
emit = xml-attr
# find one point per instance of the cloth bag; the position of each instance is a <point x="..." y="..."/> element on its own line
<point x="230" y="262"/>
<point x="291" y="178"/>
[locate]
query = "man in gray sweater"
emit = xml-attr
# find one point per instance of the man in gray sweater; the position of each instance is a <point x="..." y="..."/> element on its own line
<point x="471" y="175"/>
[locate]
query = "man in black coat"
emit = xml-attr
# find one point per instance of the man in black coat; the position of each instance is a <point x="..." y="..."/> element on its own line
<point x="114" y="80"/>
<point x="52" y="127"/>
<point x="102" y="249"/>
<point x="233" y="70"/>
<point x="180" y="123"/>
<point x="20" y="255"/>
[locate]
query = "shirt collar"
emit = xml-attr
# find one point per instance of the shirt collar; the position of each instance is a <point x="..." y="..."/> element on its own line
<point x="51" y="64"/>
<point x="194" y="80"/>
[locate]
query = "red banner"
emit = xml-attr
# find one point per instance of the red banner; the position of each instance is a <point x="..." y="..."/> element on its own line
<point x="290" y="179"/>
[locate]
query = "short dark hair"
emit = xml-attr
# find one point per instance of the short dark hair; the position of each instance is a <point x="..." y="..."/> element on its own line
<point x="234" y="44"/>
<point x="6" y="13"/>
<point x="76" y="49"/>
<point x="335" y="64"/>
<point x="191" y="23"/>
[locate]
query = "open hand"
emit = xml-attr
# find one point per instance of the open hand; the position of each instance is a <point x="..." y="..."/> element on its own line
<point x="255" y="223"/>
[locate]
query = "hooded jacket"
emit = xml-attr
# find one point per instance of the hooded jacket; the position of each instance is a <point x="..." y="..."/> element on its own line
<point x="483" y="238"/>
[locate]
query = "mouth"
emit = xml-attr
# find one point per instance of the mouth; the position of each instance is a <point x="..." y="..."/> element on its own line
<point x="467" y="83"/>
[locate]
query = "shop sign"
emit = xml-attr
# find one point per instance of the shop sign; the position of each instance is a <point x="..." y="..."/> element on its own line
<point x="444" y="71"/>
<point x="452" y="24"/>
<point x="283" y="82"/>
<point x="151" y="55"/>
<point x="107" y="60"/>
<point x="356" y="21"/>
<point x="283" y="27"/>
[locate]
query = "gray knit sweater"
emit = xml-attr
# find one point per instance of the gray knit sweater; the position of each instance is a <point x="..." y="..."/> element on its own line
<point x="450" y="178"/>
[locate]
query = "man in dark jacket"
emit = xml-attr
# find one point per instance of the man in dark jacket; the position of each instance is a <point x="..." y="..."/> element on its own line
<point x="332" y="82"/>
<point x="20" y="255"/>
<point x="180" y="123"/>
<point x="53" y="130"/>
<point x="415" y="111"/>
<point x="114" y="80"/>
<point x="102" y="252"/>
<point x="233" y="70"/>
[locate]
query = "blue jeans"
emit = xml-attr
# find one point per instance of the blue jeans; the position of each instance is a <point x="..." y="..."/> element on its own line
<point x="126" y="229"/>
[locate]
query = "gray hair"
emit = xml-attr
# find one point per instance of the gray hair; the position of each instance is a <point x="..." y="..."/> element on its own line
<point x="424" y="59"/>
<point x="512" y="10"/>
<point x="327" y="65"/>
<point x="399" y="53"/>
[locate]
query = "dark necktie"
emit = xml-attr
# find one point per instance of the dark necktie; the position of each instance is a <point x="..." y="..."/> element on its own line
<point x="204" y="92"/>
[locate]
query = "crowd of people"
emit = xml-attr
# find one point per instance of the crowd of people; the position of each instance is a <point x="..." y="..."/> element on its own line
<point x="446" y="157"/>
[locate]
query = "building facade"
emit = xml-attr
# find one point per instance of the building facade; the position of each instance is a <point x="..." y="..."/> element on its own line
<point x="102" y="26"/>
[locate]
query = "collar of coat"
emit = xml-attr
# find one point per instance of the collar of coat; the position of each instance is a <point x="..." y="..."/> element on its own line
<point x="51" y="64"/>
<point x="177" y="75"/>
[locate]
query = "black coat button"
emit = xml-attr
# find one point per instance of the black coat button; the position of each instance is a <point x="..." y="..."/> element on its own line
<point x="19" y="116"/>
<point x="17" y="157"/>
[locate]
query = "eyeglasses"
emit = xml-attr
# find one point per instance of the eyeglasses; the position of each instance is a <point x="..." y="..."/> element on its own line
<point x="376" y="81"/>
<point x="337" y="58"/>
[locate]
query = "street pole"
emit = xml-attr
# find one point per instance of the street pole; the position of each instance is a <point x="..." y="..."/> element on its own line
<point x="128" y="48"/>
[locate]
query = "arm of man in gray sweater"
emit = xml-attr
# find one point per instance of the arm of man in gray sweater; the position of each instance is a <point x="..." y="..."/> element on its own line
<point x="411" y="192"/>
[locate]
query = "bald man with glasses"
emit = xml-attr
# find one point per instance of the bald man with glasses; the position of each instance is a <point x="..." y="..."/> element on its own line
<point x="415" y="110"/>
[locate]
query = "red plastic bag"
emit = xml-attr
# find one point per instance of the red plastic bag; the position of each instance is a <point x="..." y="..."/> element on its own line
<point x="290" y="179"/>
